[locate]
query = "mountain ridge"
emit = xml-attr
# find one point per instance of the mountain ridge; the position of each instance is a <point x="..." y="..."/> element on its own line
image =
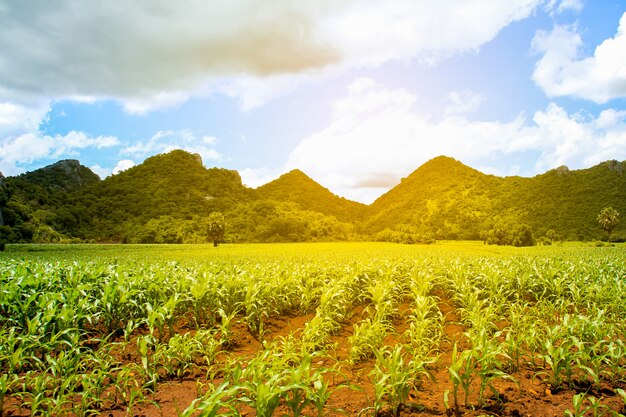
<point x="443" y="197"/>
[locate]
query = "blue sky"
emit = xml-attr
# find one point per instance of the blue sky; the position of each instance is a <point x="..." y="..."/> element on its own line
<point x="357" y="94"/>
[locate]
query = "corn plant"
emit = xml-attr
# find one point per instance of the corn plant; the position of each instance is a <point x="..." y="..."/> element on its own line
<point x="367" y="338"/>
<point x="488" y="355"/>
<point x="215" y="402"/>
<point x="394" y="377"/>
<point x="145" y="349"/>
<point x="183" y="352"/>
<point x="461" y="371"/>
<point x="559" y="359"/>
<point x="425" y="325"/>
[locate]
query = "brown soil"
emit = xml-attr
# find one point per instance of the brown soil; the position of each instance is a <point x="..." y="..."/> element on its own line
<point x="529" y="397"/>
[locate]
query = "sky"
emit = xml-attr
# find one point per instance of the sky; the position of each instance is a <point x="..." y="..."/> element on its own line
<point x="355" y="93"/>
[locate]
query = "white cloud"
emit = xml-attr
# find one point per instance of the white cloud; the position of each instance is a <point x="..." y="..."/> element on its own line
<point x="560" y="6"/>
<point x="154" y="55"/>
<point x="122" y="165"/>
<point x="168" y="140"/>
<point x="103" y="172"/>
<point x="28" y="147"/>
<point x="373" y="32"/>
<point x="255" y="177"/>
<point x="376" y="137"/>
<point x="562" y="71"/>
<point x="158" y="101"/>
<point x="17" y="119"/>
<point x="100" y="171"/>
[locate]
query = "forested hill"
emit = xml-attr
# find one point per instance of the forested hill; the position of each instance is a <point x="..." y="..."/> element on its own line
<point x="454" y="201"/>
<point x="297" y="187"/>
<point x="170" y="187"/>
<point x="168" y="198"/>
<point x="41" y="205"/>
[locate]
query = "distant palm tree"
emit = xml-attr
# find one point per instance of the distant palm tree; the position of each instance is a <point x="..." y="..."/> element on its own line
<point x="608" y="219"/>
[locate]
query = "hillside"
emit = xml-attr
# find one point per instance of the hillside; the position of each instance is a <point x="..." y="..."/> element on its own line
<point x="168" y="197"/>
<point x="174" y="185"/>
<point x="297" y="187"/>
<point x="41" y="205"/>
<point x="454" y="201"/>
<point x="442" y="196"/>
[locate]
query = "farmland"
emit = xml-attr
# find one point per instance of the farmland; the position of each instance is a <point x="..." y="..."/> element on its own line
<point x="312" y="329"/>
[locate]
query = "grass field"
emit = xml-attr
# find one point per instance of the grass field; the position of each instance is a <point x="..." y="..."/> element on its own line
<point x="455" y="328"/>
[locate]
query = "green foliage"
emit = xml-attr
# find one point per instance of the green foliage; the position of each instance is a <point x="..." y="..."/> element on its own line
<point x="216" y="227"/>
<point x="168" y="198"/>
<point x="406" y="235"/>
<point x="519" y="235"/>
<point x="272" y="221"/>
<point x="608" y="219"/>
<point x="298" y="188"/>
<point x="454" y="201"/>
<point x="67" y="313"/>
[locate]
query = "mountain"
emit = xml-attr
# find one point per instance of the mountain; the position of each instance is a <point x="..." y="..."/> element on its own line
<point x="41" y="205"/>
<point x="297" y="187"/>
<point x="568" y="201"/>
<point x="175" y="185"/>
<point x="455" y="201"/>
<point x="168" y="198"/>
<point x="441" y="194"/>
<point x="67" y="175"/>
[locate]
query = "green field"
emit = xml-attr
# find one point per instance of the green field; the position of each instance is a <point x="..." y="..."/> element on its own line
<point x="312" y="329"/>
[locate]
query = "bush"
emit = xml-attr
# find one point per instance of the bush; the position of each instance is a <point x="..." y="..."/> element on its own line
<point x="523" y="236"/>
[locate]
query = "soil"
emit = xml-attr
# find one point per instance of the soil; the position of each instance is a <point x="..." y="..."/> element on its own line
<point x="527" y="396"/>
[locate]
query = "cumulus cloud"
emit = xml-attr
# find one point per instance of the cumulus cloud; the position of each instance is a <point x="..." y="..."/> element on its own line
<point x="562" y="71"/>
<point x="168" y="140"/>
<point x="17" y="119"/>
<point x="122" y="165"/>
<point x="156" y="54"/>
<point x="28" y="147"/>
<point x="255" y="177"/>
<point x="376" y="137"/>
<point x="104" y="172"/>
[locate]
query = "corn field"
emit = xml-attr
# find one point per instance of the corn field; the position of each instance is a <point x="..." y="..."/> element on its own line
<point x="312" y="330"/>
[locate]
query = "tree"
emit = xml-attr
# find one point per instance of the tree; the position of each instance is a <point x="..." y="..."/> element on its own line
<point x="216" y="226"/>
<point x="523" y="236"/>
<point x="608" y="219"/>
<point x="552" y="235"/>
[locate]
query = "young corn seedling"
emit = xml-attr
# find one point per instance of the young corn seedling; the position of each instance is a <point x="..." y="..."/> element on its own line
<point x="225" y="323"/>
<point x="595" y="407"/>
<point x="461" y="371"/>
<point x="148" y="362"/>
<point x="487" y="353"/>
<point x="159" y="317"/>
<point x="260" y="390"/>
<point x="367" y="338"/>
<point x="215" y="402"/>
<point x="297" y="383"/>
<point x="394" y="378"/>
<point x="560" y="359"/>
<point x="8" y="385"/>
<point x="183" y="352"/>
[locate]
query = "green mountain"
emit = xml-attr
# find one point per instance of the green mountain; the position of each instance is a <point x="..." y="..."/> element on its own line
<point x="174" y="185"/>
<point x="297" y="187"/>
<point x="454" y="201"/>
<point x="168" y="198"/>
<point x="41" y="205"/>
